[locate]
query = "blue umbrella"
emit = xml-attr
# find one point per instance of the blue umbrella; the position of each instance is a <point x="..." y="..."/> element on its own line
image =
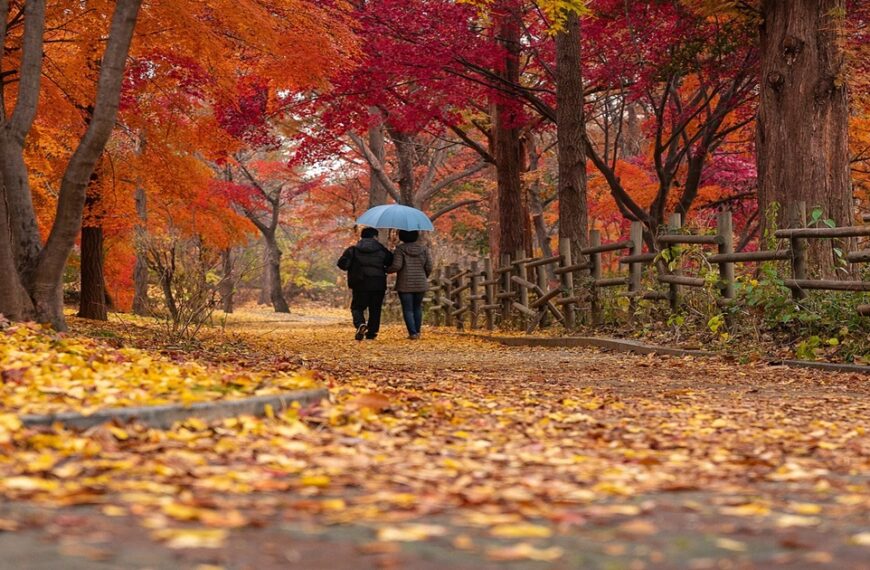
<point x="397" y="217"/>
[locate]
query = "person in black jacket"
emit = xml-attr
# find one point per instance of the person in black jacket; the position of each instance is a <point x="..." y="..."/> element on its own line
<point x="366" y="265"/>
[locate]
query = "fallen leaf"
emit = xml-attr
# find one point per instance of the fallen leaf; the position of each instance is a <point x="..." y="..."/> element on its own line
<point x="521" y="530"/>
<point x="524" y="551"/>
<point x="192" y="537"/>
<point x="410" y="533"/>
<point x="638" y="527"/>
<point x="730" y="544"/>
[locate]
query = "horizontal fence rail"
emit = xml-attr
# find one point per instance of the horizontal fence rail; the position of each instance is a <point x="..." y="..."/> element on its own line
<point x="531" y="292"/>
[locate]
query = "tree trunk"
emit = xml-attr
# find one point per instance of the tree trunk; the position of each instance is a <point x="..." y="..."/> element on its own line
<point x="536" y="206"/>
<point x="273" y="262"/>
<point x="632" y="143"/>
<point x="15" y="304"/>
<point x="48" y="278"/>
<point x="506" y="138"/>
<point x="377" y="192"/>
<point x="22" y="225"/>
<point x="92" y="304"/>
<point x="405" y="158"/>
<point x="140" y="268"/>
<point x="226" y="287"/>
<point x="570" y="127"/>
<point x="802" y="126"/>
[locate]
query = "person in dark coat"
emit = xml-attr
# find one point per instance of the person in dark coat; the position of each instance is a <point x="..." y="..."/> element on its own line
<point x="366" y="264"/>
<point x="413" y="263"/>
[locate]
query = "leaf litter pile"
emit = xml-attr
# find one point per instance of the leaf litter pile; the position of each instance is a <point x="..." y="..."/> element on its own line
<point x="504" y="454"/>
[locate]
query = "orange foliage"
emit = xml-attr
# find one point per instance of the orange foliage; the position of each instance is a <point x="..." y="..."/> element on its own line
<point x="187" y="60"/>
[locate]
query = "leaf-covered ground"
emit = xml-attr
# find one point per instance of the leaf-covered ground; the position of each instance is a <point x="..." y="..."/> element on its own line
<point x="45" y="372"/>
<point x="454" y="452"/>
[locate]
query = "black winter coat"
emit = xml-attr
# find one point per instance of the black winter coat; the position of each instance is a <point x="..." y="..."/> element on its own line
<point x="366" y="265"/>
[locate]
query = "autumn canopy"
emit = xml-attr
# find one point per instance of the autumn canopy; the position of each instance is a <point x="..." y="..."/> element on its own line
<point x="255" y="132"/>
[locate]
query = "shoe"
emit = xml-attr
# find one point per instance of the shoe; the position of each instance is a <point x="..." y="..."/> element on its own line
<point x="361" y="331"/>
<point x="414" y="337"/>
<point x="371" y="337"/>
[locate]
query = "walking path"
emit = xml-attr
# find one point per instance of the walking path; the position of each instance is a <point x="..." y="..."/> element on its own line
<point x="455" y="452"/>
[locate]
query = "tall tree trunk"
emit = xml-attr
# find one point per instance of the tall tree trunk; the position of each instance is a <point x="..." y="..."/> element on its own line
<point x="23" y="229"/>
<point x="802" y="127"/>
<point x="506" y="137"/>
<point x="226" y="287"/>
<point x="48" y="278"/>
<point x="92" y="304"/>
<point x="570" y="131"/>
<point x="536" y="206"/>
<point x="140" y="268"/>
<point x="273" y="260"/>
<point x="15" y="304"/>
<point x="377" y="192"/>
<point x="405" y="155"/>
<point x="632" y="142"/>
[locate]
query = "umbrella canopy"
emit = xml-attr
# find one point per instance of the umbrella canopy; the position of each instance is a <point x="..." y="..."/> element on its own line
<point x="396" y="216"/>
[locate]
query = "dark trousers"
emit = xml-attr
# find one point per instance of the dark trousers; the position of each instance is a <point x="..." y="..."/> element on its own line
<point x="412" y="311"/>
<point x="371" y="301"/>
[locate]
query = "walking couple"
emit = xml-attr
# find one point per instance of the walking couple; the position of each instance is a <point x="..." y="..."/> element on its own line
<point x="367" y="264"/>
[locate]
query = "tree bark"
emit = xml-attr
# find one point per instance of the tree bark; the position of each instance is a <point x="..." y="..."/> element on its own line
<point x="140" y="268"/>
<point x="405" y="155"/>
<point x="92" y="304"/>
<point x="25" y="238"/>
<point x="802" y="126"/>
<point x="506" y="137"/>
<point x="273" y="260"/>
<point x="15" y="304"/>
<point x="377" y="192"/>
<point x="536" y="206"/>
<point x="570" y="131"/>
<point x="47" y="284"/>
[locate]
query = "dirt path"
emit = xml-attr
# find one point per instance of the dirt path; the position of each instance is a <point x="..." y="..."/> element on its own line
<point x="453" y="452"/>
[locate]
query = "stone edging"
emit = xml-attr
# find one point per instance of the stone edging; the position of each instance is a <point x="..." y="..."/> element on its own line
<point x="164" y="416"/>
<point x="624" y="345"/>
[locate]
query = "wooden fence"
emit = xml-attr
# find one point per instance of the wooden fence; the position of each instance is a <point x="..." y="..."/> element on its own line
<point x="534" y="292"/>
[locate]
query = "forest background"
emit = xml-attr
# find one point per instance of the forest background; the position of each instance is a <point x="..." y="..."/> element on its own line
<point x="160" y="157"/>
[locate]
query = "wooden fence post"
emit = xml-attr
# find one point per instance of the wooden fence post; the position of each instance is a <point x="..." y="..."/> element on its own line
<point x="543" y="285"/>
<point x="798" y="219"/>
<point x="458" y="313"/>
<point x="449" y="272"/>
<point x="490" y="293"/>
<point x="523" y="273"/>
<point x="635" y="268"/>
<point x="567" y="282"/>
<point x="506" y="290"/>
<point x="595" y="274"/>
<point x="725" y="229"/>
<point x="436" y="296"/>
<point x="674" y="226"/>
<point x="475" y="293"/>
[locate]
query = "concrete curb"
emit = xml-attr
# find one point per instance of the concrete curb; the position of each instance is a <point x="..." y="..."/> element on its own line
<point x="624" y="345"/>
<point x="164" y="416"/>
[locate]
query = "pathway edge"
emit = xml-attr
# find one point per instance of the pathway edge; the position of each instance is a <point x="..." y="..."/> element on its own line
<point x="633" y="346"/>
<point x="164" y="416"/>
